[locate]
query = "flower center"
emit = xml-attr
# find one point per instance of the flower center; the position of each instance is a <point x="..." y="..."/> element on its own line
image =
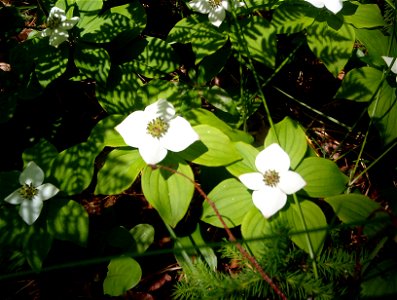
<point x="28" y="191"/>
<point x="215" y="3"/>
<point x="54" y="22"/>
<point x="157" y="127"/>
<point x="271" y="178"/>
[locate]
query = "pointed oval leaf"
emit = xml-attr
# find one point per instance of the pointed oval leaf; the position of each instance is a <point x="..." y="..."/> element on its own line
<point x="291" y="137"/>
<point x="143" y="234"/>
<point x="213" y="149"/>
<point x="120" y="170"/>
<point x="232" y="200"/>
<point x="323" y="177"/>
<point x="169" y="193"/>
<point x="123" y="274"/>
<point x="247" y="163"/>
<point x="315" y="221"/>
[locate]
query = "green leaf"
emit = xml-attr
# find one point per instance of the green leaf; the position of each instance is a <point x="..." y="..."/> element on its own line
<point x="169" y="193"/>
<point x="360" y="84"/>
<point x="364" y="15"/>
<point x="143" y="234"/>
<point x="104" y="134"/>
<point x="333" y="47"/>
<point x="42" y="154"/>
<point x="322" y="176"/>
<point x="182" y="31"/>
<point x="293" y="17"/>
<point x="220" y="99"/>
<point x="352" y="208"/>
<point x="213" y="149"/>
<point x="93" y="62"/>
<point x="212" y="65"/>
<point x="375" y="43"/>
<point x="123" y="274"/>
<point x="291" y="137"/>
<point x="232" y="200"/>
<point x="260" y="38"/>
<point x="68" y="220"/>
<point x="157" y="58"/>
<point x="203" y="116"/>
<point x="74" y="167"/>
<point x="384" y="112"/>
<point x="195" y="245"/>
<point x="120" y="170"/>
<point x="247" y="163"/>
<point x="37" y="244"/>
<point x="314" y="219"/>
<point x="381" y="281"/>
<point x="126" y="20"/>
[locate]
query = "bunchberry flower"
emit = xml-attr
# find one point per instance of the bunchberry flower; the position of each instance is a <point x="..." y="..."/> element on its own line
<point x="58" y="26"/>
<point x="273" y="182"/>
<point x="156" y="130"/>
<point x="388" y="60"/>
<point x="216" y="9"/>
<point x="32" y="193"/>
<point x="332" y="5"/>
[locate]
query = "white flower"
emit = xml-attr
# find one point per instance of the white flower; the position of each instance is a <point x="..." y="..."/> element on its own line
<point x="333" y="5"/>
<point x="156" y="130"/>
<point x="32" y="193"/>
<point x="388" y="60"/>
<point x="58" y="26"/>
<point x="273" y="182"/>
<point x="216" y="9"/>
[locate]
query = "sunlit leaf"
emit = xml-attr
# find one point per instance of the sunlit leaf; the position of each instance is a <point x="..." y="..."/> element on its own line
<point x="120" y="170"/>
<point x="123" y="274"/>
<point x="323" y="177"/>
<point x="93" y="62"/>
<point x="68" y="220"/>
<point x="143" y="234"/>
<point x="213" y="148"/>
<point x="247" y="163"/>
<point x="364" y="15"/>
<point x="37" y="244"/>
<point x="314" y="219"/>
<point x="233" y="201"/>
<point x="169" y="193"/>
<point x="291" y="137"/>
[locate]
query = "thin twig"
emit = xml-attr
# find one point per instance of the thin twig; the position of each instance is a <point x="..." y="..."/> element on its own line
<point x="230" y="235"/>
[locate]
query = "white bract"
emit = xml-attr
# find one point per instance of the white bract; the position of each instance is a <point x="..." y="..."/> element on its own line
<point x="156" y="130"/>
<point x="273" y="182"/>
<point x="58" y="26"/>
<point x="332" y="5"/>
<point x="32" y="193"/>
<point x="388" y="60"/>
<point x="216" y="9"/>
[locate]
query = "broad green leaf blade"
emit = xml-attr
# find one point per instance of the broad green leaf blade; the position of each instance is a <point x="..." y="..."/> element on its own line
<point x="213" y="149"/>
<point x="203" y="116"/>
<point x="156" y="60"/>
<point x="93" y="63"/>
<point x="291" y="137"/>
<point x="195" y="245"/>
<point x="262" y="235"/>
<point x="126" y="21"/>
<point x="143" y="234"/>
<point x="42" y="154"/>
<point x="104" y="134"/>
<point x="169" y="193"/>
<point x="74" y="167"/>
<point x="333" y="47"/>
<point x="184" y="30"/>
<point x="314" y="219"/>
<point x="247" y="163"/>
<point x="212" y="65"/>
<point x="376" y="43"/>
<point x="360" y="84"/>
<point x="322" y="176"/>
<point x="120" y="170"/>
<point x="293" y="17"/>
<point x="381" y="281"/>
<point x="123" y="274"/>
<point x="260" y="38"/>
<point x="364" y="16"/>
<point x="232" y="200"/>
<point x="67" y="220"/>
<point x="37" y="244"/>
<point x="352" y="208"/>
<point x="384" y="112"/>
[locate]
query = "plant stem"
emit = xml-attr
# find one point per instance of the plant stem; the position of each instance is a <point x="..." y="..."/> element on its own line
<point x="230" y="235"/>
<point x="307" y="236"/>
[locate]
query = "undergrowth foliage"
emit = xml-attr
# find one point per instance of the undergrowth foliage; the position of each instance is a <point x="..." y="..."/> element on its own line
<point x="271" y="123"/>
